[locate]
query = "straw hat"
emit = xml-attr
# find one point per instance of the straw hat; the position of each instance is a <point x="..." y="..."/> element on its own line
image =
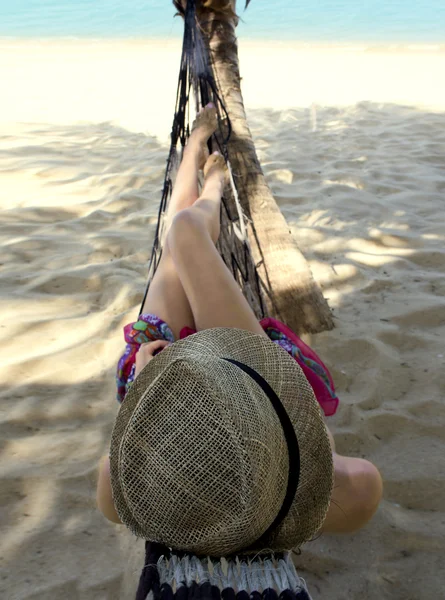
<point x="220" y="446"/>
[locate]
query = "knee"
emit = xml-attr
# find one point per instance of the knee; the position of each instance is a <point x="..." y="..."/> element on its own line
<point x="186" y="225"/>
<point x="184" y="228"/>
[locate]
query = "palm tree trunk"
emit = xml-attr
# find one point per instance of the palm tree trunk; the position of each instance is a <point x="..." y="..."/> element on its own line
<point x="292" y="295"/>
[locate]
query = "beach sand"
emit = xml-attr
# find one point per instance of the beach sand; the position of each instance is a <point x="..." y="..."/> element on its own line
<point x="352" y="141"/>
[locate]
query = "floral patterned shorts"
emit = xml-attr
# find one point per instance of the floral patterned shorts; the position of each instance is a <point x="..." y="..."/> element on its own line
<point x="150" y="327"/>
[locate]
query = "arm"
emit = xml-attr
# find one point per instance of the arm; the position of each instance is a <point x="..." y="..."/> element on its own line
<point x="104" y="495"/>
<point x="356" y="495"/>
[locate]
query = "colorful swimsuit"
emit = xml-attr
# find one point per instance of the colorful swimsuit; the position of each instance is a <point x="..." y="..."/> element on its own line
<point x="149" y="328"/>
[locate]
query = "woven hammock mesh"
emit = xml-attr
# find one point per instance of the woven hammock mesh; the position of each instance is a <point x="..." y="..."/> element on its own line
<point x="196" y="84"/>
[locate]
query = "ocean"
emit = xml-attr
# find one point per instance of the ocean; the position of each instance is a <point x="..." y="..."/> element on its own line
<point x="330" y="21"/>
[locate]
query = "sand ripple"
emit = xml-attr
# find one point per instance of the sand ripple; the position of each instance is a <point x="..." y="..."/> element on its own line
<point x="363" y="193"/>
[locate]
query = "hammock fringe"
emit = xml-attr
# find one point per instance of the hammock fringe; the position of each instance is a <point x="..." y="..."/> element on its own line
<point x="169" y="575"/>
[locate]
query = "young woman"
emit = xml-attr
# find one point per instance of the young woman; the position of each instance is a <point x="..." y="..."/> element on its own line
<point x="193" y="291"/>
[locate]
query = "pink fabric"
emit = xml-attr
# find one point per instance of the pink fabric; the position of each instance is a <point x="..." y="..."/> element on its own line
<point x="149" y="327"/>
<point x="325" y="393"/>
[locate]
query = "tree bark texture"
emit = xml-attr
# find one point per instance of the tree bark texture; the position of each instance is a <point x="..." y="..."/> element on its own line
<point x="290" y="291"/>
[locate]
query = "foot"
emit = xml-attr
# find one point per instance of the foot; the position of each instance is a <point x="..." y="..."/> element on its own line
<point x="203" y="127"/>
<point x="215" y="168"/>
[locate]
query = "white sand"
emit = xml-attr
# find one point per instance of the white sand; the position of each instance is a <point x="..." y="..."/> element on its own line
<point x="134" y="83"/>
<point x="363" y="187"/>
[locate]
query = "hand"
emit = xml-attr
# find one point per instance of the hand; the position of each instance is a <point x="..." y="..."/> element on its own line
<point x="146" y="353"/>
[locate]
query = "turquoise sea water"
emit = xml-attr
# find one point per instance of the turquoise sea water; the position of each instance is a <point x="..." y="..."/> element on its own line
<point x="400" y="21"/>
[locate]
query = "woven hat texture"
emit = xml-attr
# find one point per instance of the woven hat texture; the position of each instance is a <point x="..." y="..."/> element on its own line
<point x="199" y="461"/>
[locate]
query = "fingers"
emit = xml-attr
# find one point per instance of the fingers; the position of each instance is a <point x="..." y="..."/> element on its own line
<point x="151" y="347"/>
<point x="146" y="353"/>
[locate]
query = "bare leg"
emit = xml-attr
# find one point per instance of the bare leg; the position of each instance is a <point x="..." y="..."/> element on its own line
<point x="208" y="205"/>
<point x="166" y="297"/>
<point x="186" y="191"/>
<point x="214" y="296"/>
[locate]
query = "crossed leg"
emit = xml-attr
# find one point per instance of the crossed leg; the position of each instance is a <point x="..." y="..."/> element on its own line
<point x="166" y="297"/>
<point x="214" y="297"/>
<point x="192" y="285"/>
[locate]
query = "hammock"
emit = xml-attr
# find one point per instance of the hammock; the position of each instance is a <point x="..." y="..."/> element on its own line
<point x="180" y="576"/>
<point x="196" y="84"/>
